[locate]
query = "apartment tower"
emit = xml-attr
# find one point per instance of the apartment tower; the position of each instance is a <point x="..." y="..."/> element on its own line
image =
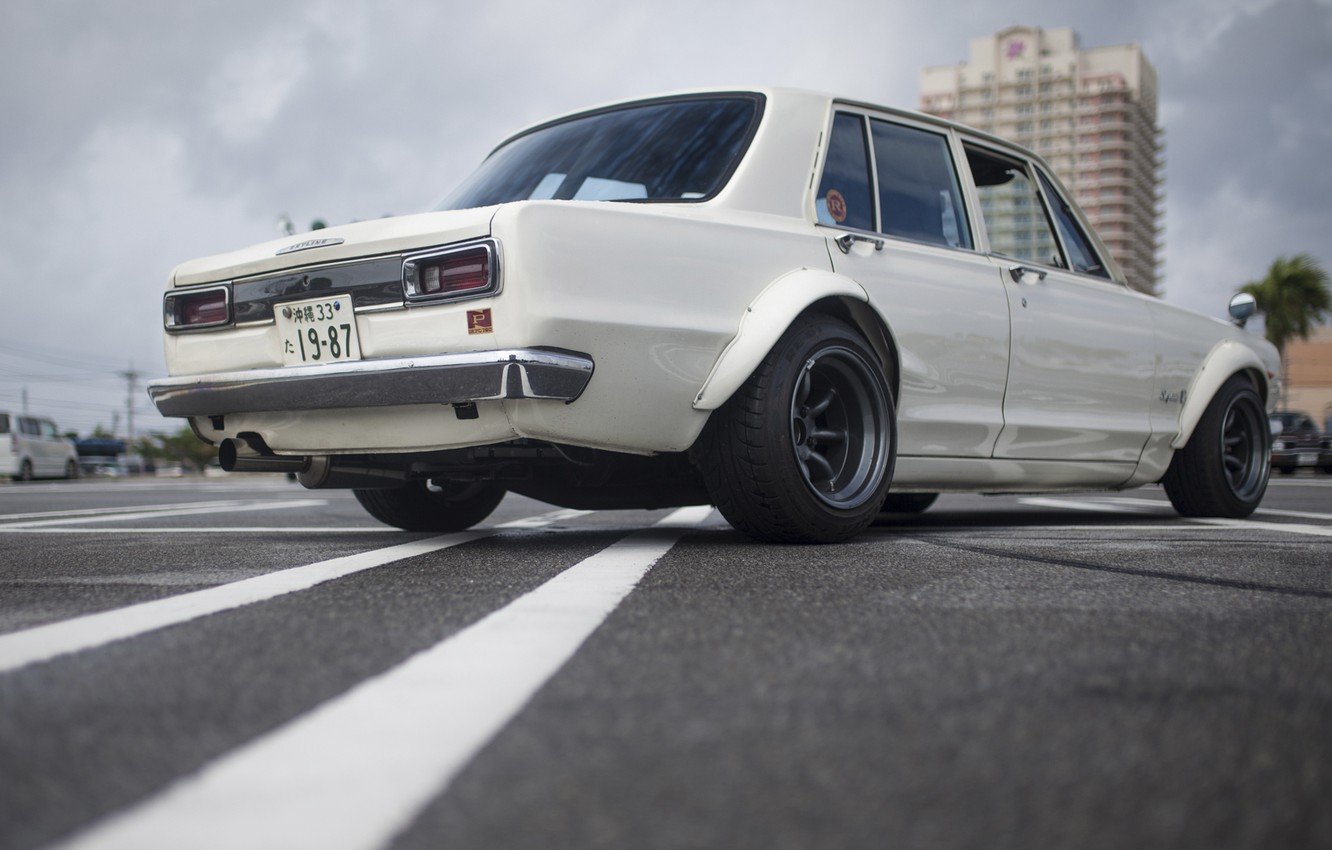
<point x="1091" y="114"/>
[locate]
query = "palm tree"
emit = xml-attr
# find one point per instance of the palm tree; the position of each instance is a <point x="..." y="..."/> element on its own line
<point x="1293" y="298"/>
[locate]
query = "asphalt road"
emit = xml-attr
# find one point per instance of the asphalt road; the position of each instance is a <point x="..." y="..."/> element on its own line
<point x="242" y="663"/>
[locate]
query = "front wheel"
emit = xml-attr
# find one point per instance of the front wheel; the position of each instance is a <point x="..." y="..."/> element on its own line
<point x="1222" y="471"/>
<point x="422" y="506"/>
<point x="72" y="469"/>
<point x="25" y="471"/>
<point x="803" y="452"/>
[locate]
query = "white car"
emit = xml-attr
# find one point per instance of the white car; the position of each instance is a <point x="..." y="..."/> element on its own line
<point x="31" y="447"/>
<point x="802" y="309"/>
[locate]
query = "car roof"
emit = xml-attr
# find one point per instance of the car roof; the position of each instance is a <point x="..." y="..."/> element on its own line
<point x="776" y="94"/>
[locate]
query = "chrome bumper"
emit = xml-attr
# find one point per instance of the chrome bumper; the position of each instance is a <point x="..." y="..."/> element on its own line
<point x="522" y="373"/>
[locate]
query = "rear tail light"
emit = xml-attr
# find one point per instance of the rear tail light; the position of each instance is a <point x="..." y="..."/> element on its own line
<point x="451" y="274"/>
<point x="202" y="308"/>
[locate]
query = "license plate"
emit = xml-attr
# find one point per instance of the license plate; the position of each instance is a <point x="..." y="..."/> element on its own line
<point x="1308" y="458"/>
<point x="318" y="330"/>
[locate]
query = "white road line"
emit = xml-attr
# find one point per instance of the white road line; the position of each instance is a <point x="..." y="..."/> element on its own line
<point x="239" y="529"/>
<point x="355" y="771"/>
<point x="42" y="643"/>
<point x="1148" y="510"/>
<point x="154" y="514"/>
<point x="121" y="510"/>
<point x="1267" y="511"/>
<point x="1288" y="527"/>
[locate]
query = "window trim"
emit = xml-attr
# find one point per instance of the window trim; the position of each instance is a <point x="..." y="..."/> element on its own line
<point x="1032" y="164"/>
<point x="1026" y="163"/>
<point x="1043" y="180"/>
<point x="970" y="208"/>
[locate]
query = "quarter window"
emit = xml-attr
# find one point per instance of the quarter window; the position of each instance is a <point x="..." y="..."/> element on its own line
<point x="844" y="198"/>
<point x="919" y="194"/>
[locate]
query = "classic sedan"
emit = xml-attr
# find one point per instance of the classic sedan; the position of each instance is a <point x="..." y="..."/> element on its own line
<point x="803" y="309"/>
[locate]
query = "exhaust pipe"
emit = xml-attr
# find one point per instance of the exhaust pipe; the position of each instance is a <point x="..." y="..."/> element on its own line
<point x="324" y="472"/>
<point x="235" y="456"/>
<point x="317" y="472"/>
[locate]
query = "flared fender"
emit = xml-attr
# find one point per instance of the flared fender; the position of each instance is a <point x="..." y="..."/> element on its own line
<point x="1226" y="359"/>
<point x="763" y="323"/>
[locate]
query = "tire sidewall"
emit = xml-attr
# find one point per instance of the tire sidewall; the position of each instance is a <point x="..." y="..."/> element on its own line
<point x="802" y="341"/>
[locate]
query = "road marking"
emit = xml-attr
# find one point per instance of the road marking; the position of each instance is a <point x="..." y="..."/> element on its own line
<point x="1268" y="511"/>
<point x="42" y="643"/>
<point x="1274" y="482"/>
<point x="122" y="510"/>
<point x="1255" y="525"/>
<point x="226" y="529"/>
<point x="355" y="771"/>
<point x="1289" y="527"/>
<point x="154" y="514"/>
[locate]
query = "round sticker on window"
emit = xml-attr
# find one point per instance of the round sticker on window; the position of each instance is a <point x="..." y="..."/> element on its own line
<point x="836" y="205"/>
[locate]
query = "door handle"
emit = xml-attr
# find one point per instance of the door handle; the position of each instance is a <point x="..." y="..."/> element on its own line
<point x="846" y="240"/>
<point x="1016" y="272"/>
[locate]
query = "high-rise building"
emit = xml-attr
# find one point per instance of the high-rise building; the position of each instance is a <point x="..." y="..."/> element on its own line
<point x="1090" y="113"/>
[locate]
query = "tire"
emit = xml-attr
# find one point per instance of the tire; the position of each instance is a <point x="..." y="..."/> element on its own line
<point x="1223" y="470"/>
<point x="804" y="450"/>
<point x="908" y="503"/>
<point x="25" y="470"/>
<point x="72" y="469"/>
<point x="420" y="507"/>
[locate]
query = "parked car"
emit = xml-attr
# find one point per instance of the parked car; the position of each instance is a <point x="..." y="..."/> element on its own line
<point x="1298" y="442"/>
<point x="101" y="466"/>
<point x="31" y="447"/>
<point x="800" y="308"/>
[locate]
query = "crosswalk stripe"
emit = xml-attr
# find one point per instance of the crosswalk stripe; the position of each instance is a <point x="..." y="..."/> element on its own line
<point x="42" y="643"/>
<point x="353" y="773"/>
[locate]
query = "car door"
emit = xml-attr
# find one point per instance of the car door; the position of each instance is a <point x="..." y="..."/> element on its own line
<point x="891" y="195"/>
<point x="1082" y="366"/>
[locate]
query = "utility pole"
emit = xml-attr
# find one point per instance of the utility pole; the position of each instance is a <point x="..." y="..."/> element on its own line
<point x="131" y="383"/>
<point x="25" y="399"/>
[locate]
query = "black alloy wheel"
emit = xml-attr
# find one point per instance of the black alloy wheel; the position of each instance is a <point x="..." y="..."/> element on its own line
<point x="1223" y="469"/>
<point x="837" y="416"/>
<point x="803" y="452"/>
<point x="1244" y="450"/>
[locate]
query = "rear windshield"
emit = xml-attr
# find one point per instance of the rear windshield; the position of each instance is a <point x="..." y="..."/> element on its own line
<point x="676" y="150"/>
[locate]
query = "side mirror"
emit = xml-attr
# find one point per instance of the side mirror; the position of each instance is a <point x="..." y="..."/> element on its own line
<point x="1274" y="425"/>
<point x="1242" y="306"/>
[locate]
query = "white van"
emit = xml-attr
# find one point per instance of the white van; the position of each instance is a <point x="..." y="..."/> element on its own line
<point x="31" y="447"/>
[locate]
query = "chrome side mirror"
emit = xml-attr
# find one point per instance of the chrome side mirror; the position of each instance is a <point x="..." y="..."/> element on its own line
<point x="1274" y="425"/>
<point x="1242" y="306"/>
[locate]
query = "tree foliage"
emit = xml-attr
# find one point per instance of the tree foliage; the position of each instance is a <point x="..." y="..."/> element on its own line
<point x="181" y="446"/>
<point x="1293" y="297"/>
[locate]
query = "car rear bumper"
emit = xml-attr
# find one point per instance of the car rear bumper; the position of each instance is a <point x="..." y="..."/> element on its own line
<point x="525" y="373"/>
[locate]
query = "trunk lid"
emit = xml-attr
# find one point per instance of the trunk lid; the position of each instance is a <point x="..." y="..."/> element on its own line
<point x="361" y="239"/>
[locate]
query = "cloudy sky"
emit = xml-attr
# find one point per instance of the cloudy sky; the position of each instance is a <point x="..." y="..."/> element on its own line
<point x="136" y="135"/>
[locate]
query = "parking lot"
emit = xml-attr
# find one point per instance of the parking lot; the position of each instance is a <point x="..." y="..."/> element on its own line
<point x="239" y="662"/>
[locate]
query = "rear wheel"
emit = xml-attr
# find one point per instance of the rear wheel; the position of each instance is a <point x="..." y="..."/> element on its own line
<point x="422" y="506"/>
<point x="803" y="452"/>
<point x="25" y="470"/>
<point x="1222" y="471"/>
<point x="72" y="469"/>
